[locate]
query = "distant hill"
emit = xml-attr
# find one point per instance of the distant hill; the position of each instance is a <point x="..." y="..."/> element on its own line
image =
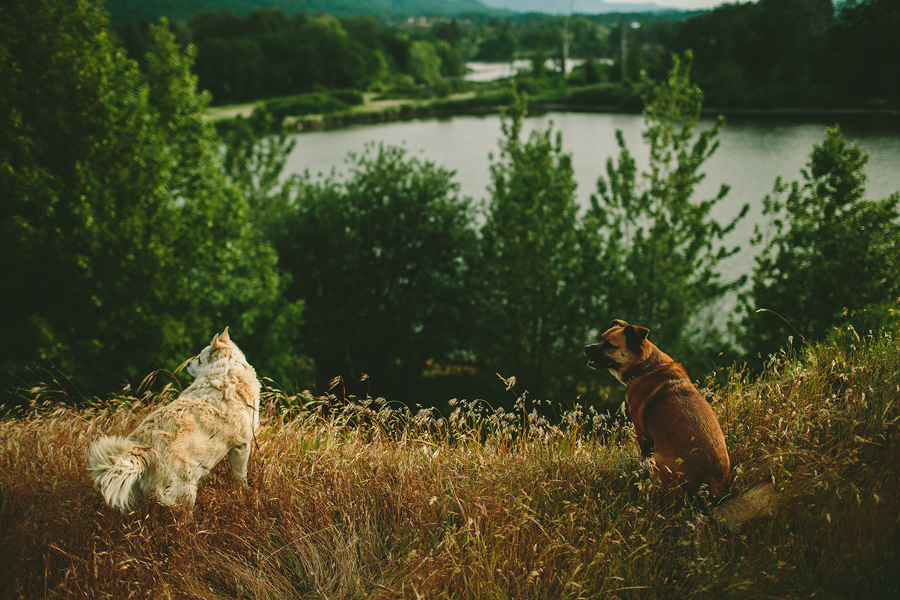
<point x="588" y="7"/>
<point x="140" y="10"/>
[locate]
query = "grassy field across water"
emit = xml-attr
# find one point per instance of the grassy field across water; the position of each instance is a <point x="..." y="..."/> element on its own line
<point x="362" y="500"/>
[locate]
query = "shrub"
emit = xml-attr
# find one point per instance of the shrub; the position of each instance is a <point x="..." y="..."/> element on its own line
<point x="305" y="104"/>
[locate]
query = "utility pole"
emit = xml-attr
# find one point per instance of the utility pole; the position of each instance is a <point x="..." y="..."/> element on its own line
<point x="565" y="59"/>
<point x="634" y="25"/>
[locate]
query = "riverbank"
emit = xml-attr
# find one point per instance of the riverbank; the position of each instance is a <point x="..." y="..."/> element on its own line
<point x="598" y="98"/>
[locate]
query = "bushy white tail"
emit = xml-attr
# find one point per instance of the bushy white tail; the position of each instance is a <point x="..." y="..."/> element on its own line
<point x="759" y="501"/>
<point x="117" y="465"/>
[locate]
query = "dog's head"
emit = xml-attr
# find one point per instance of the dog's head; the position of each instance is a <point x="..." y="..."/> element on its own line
<point x="620" y="348"/>
<point x="221" y="348"/>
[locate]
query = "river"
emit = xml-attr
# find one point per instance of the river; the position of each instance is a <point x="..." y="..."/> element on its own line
<point x="754" y="150"/>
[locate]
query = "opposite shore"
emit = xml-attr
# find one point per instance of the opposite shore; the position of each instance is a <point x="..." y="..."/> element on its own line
<point x="601" y="98"/>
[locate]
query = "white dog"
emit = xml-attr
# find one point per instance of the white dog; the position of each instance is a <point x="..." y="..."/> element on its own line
<point x="179" y="443"/>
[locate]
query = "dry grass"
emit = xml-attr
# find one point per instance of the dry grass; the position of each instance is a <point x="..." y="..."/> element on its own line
<point x="352" y="501"/>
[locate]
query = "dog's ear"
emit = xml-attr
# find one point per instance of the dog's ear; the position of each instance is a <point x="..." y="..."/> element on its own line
<point x="635" y="336"/>
<point x="224" y="337"/>
<point x="619" y="323"/>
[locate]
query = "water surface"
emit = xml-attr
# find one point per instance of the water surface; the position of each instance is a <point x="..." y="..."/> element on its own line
<point x="754" y="150"/>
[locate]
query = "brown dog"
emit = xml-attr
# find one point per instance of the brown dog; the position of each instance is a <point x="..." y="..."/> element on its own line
<point x="667" y="411"/>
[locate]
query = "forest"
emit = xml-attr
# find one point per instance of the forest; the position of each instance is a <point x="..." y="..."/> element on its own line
<point x="771" y="53"/>
<point x="133" y="231"/>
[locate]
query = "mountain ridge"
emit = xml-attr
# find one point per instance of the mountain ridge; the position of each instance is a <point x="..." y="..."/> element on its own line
<point x="122" y="11"/>
<point x="141" y="10"/>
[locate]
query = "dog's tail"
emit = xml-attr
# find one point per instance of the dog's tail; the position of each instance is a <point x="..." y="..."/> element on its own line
<point x="758" y="501"/>
<point x="116" y="465"/>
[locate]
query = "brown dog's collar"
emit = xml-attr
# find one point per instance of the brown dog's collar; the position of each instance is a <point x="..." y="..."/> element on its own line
<point x="645" y="371"/>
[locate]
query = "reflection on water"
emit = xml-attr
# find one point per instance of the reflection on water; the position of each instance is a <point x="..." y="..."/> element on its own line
<point x="754" y="151"/>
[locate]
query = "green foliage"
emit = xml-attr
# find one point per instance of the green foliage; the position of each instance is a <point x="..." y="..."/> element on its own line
<point x="424" y="62"/>
<point x="306" y="104"/>
<point x="533" y="301"/>
<point x="383" y="261"/>
<point x="771" y="53"/>
<point x="538" y="60"/>
<point x="661" y="245"/>
<point x="267" y="54"/>
<point x="77" y="146"/>
<point x="766" y="54"/>
<point x="254" y="162"/>
<point x="453" y="59"/>
<point x="604" y="96"/>
<point x="831" y="258"/>
<point x="590" y="72"/>
<point x="128" y="247"/>
<point x="500" y="44"/>
<point x="862" y="42"/>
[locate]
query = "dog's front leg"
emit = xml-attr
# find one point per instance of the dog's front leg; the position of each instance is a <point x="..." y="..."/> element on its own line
<point x="238" y="457"/>
<point x="645" y="442"/>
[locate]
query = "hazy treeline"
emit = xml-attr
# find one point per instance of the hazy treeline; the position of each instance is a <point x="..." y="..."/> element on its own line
<point x="130" y="238"/>
<point x="123" y="10"/>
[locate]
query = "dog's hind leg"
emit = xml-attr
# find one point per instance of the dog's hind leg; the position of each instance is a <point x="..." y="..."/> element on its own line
<point x="665" y="471"/>
<point x="181" y="486"/>
<point x="238" y="457"/>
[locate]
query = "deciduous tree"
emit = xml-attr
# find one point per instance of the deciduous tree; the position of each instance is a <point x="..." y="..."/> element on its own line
<point x="831" y="258"/>
<point x="126" y="246"/>
<point x="383" y="261"/>
<point x="661" y="247"/>
<point x="534" y="289"/>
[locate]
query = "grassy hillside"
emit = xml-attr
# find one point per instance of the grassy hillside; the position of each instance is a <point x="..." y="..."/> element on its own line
<point x="351" y="501"/>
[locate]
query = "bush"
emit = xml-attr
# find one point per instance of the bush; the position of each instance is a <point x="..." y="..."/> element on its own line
<point x="315" y="103"/>
<point x="607" y="94"/>
<point x="350" y="97"/>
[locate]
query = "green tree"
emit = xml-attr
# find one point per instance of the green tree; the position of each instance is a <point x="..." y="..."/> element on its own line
<point x="664" y="245"/>
<point x="538" y="60"/>
<point x="534" y="304"/>
<point x="453" y="62"/>
<point x="866" y="30"/>
<point x="766" y="53"/>
<point x="383" y="262"/>
<point x="127" y="245"/>
<point x="424" y="62"/>
<point x="502" y="46"/>
<point x="832" y="258"/>
<point x="254" y="162"/>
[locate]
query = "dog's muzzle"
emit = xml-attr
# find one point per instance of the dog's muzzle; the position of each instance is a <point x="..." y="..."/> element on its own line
<point x="598" y="360"/>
